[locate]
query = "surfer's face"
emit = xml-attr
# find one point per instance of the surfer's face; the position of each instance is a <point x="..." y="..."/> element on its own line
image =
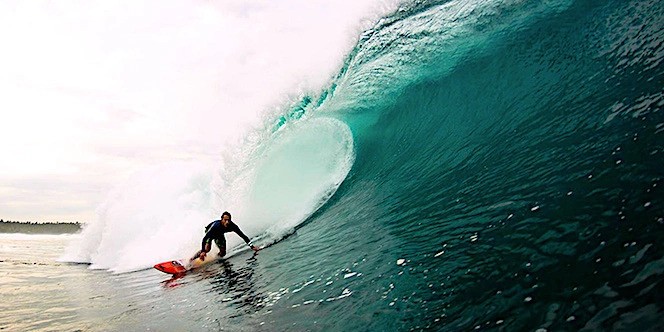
<point x="225" y="219"/>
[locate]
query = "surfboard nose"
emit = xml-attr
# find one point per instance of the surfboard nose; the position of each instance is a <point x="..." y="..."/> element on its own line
<point x="172" y="267"/>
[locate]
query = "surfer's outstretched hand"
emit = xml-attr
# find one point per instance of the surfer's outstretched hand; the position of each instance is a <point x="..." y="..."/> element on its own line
<point x="255" y="248"/>
<point x="202" y="255"/>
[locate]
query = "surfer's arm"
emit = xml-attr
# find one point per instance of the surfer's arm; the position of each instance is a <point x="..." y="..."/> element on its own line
<point x="239" y="232"/>
<point x="245" y="238"/>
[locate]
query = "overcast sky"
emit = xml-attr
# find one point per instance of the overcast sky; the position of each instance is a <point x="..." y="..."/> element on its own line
<point x="92" y="91"/>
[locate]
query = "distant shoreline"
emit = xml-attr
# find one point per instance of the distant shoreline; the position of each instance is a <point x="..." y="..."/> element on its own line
<point x="39" y="228"/>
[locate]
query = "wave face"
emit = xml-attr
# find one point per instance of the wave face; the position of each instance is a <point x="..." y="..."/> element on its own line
<point x="474" y="164"/>
<point x="511" y="154"/>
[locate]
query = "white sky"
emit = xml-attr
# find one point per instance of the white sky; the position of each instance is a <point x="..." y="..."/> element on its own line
<point x="91" y="91"/>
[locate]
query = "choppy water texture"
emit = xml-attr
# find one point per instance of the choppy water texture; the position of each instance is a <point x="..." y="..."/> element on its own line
<point x="507" y="176"/>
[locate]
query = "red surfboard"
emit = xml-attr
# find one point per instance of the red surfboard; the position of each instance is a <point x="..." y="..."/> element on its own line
<point x="177" y="267"/>
<point x="171" y="267"/>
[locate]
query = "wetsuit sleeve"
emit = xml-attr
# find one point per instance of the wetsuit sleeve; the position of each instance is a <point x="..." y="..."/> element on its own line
<point x="237" y="231"/>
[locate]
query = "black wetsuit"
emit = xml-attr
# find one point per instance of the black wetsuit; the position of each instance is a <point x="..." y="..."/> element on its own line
<point x="215" y="231"/>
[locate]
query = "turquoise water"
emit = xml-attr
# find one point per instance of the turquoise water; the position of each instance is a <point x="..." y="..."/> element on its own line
<point x="511" y="153"/>
<point x="506" y="174"/>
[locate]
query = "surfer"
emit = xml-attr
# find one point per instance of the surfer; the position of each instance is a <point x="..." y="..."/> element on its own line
<point x="215" y="231"/>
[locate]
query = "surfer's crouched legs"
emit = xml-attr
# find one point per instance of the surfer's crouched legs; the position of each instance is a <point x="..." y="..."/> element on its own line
<point x="221" y="244"/>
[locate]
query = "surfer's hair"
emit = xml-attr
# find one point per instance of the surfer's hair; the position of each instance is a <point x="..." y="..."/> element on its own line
<point x="226" y="213"/>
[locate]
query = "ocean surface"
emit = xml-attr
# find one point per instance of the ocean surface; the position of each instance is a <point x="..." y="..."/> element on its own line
<point x="474" y="165"/>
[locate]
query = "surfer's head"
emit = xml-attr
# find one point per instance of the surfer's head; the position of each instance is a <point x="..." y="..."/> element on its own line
<point x="225" y="218"/>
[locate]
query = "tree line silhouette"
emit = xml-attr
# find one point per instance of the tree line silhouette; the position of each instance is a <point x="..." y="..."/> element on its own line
<point x="39" y="228"/>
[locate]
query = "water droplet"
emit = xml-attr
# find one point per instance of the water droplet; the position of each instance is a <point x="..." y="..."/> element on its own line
<point x="528" y="299"/>
<point x="438" y="254"/>
<point x="647" y="204"/>
<point x="401" y="261"/>
<point x="535" y="208"/>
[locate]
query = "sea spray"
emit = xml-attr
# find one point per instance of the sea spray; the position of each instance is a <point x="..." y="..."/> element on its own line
<point x="153" y="216"/>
